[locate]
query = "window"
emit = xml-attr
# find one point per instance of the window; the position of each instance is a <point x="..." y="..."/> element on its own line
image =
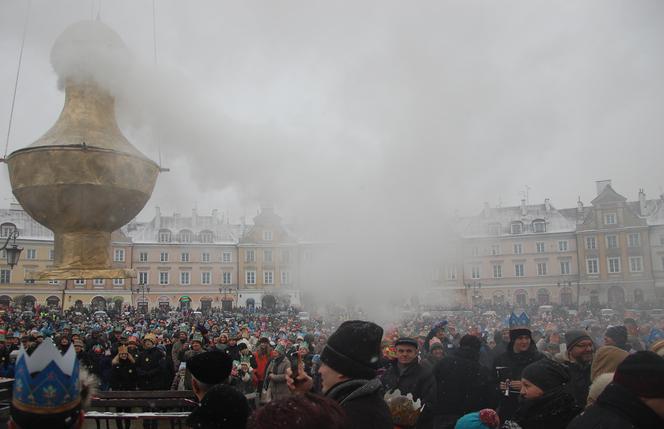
<point x="163" y="278"/>
<point x="564" y="267"/>
<point x="26" y="277"/>
<point x="79" y="282"/>
<point x="539" y="247"/>
<point x="495" y="249"/>
<point x="51" y="254"/>
<point x="635" y="264"/>
<point x="268" y="277"/>
<point x="164" y="236"/>
<point x="451" y="272"/>
<point x="610" y="219"/>
<point x="31" y="254"/>
<point x="54" y="282"/>
<point x="118" y="282"/>
<point x="518" y="270"/>
<point x="163" y="257"/>
<point x="143" y="277"/>
<point x="614" y="265"/>
<point x="185" y="236"/>
<point x="539" y="226"/>
<point x="249" y="255"/>
<point x="475" y="251"/>
<point x="119" y="255"/>
<point x="226" y="258"/>
<point x="226" y="278"/>
<point x="267" y="235"/>
<point x="518" y="249"/>
<point x="497" y="271"/>
<point x="591" y="243"/>
<point x="205" y="257"/>
<point x="612" y="241"/>
<point x="634" y="239"/>
<point x="184" y="257"/>
<point x="206" y="278"/>
<point x="285" y="277"/>
<point x="592" y="266"/>
<point x="562" y="246"/>
<point x="5" y="276"/>
<point x="516" y="228"/>
<point x="267" y="255"/>
<point x="541" y="268"/>
<point x="207" y="237"/>
<point x="285" y="256"/>
<point x="185" y="278"/>
<point x="250" y="277"/>
<point x="143" y="257"/>
<point x="6" y="229"/>
<point x="475" y="272"/>
<point x="494" y="228"/>
<point x="98" y="282"/>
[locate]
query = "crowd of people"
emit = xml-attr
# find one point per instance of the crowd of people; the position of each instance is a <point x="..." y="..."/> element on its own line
<point x="487" y="368"/>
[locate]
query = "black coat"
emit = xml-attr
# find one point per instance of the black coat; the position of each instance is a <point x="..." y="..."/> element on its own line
<point x="579" y="382"/>
<point x="149" y="368"/>
<point x="515" y="363"/>
<point x="413" y="379"/>
<point x="123" y="375"/>
<point x="617" y="408"/>
<point x="462" y="386"/>
<point x="554" y="410"/>
<point x="363" y="403"/>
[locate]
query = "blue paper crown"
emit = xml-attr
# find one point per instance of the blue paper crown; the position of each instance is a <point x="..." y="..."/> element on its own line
<point x="46" y="382"/>
<point x="520" y="321"/>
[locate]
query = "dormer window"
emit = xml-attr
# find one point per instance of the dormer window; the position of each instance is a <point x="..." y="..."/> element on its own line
<point x="164" y="236"/>
<point x="267" y="235"/>
<point x="494" y="228"/>
<point x="6" y="229"/>
<point x="206" y="237"/>
<point x="185" y="236"/>
<point x="539" y="226"/>
<point x="517" y="228"/>
<point x="610" y="219"/>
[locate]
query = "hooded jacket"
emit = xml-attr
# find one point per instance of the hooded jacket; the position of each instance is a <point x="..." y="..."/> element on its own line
<point x="363" y="402"/>
<point x="607" y="359"/>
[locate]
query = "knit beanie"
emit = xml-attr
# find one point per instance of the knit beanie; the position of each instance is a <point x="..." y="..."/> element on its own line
<point x="546" y="374"/>
<point x="606" y="361"/>
<point x="354" y="349"/>
<point x="484" y="419"/>
<point x="518" y="332"/>
<point x="574" y="337"/>
<point x="642" y="374"/>
<point x="470" y="342"/>
<point x="618" y="334"/>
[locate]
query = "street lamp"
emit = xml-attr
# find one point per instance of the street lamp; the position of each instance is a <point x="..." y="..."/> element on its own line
<point x="13" y="252"/>
<point x="141" y="288"/>
<point x="476" y="286"/>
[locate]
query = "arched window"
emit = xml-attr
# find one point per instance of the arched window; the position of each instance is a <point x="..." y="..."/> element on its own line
<point x="520" y="298"/>
<point x="638" y="296"/>
<point x="207" y="236"/>
<point x="566" y="297"/>
<point x="539" y="225"/>
<point x="543" y="297"/>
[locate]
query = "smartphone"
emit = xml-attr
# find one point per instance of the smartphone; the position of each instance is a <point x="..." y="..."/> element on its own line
<point x="294" y="364"/>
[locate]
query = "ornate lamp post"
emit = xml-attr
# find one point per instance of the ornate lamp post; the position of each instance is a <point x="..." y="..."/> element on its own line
<point x="13" y="252"/>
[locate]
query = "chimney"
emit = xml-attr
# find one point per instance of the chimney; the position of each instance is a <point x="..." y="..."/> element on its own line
<point x="642" y="201"/>
<point x="601" y="184"/>
<point x="547" y="204"/>
<point x="157" y="217"/>
<point x="524" y="210"/>
<point x="579" y="205"/>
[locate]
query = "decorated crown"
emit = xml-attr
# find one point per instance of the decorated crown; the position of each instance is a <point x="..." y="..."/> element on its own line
<point x="519" y="322"/>
<point x="404" y="409"/>
<point x="46" y="382"/>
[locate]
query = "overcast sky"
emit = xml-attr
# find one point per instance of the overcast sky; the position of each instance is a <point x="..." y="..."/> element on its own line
<point x="386" y="113"/>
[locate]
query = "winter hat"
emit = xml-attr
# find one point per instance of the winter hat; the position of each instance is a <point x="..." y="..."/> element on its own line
<point x="606" y="361"/>
<point x="618" y="334"/>
<point x="436" y="346"/>
<point x="354" y="349"/>
<point x="546" y="374"/>
<point x="222" y="407"/>
<point x="574" y="337"/>
<point x="484" y="419"/>
<point x="210" y="367"/>
<point x="470" y="342"/>
<point x="642" y="374"/>
<point x="407" y="341"/>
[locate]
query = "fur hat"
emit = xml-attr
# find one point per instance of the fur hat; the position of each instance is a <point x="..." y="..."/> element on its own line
<point x="354" y="349"/>
<point x="210" y="367"/>
<point x="642" y="374"/>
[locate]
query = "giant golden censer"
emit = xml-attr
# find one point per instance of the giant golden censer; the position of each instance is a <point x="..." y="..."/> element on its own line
<point x="83" y="179"/>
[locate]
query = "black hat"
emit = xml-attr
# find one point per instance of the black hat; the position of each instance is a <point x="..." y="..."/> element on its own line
<point x="546" y="374"/>
<point x="573" y="337"/>
<point x="618" y="334"/>
<point x="407" y="341"/>
<point x="642" y="373"/>
<point x="210" y="367"/>
<point x="470" y="342"/>
<point x="354" y="349"/>
<point x="222" y="407"/>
